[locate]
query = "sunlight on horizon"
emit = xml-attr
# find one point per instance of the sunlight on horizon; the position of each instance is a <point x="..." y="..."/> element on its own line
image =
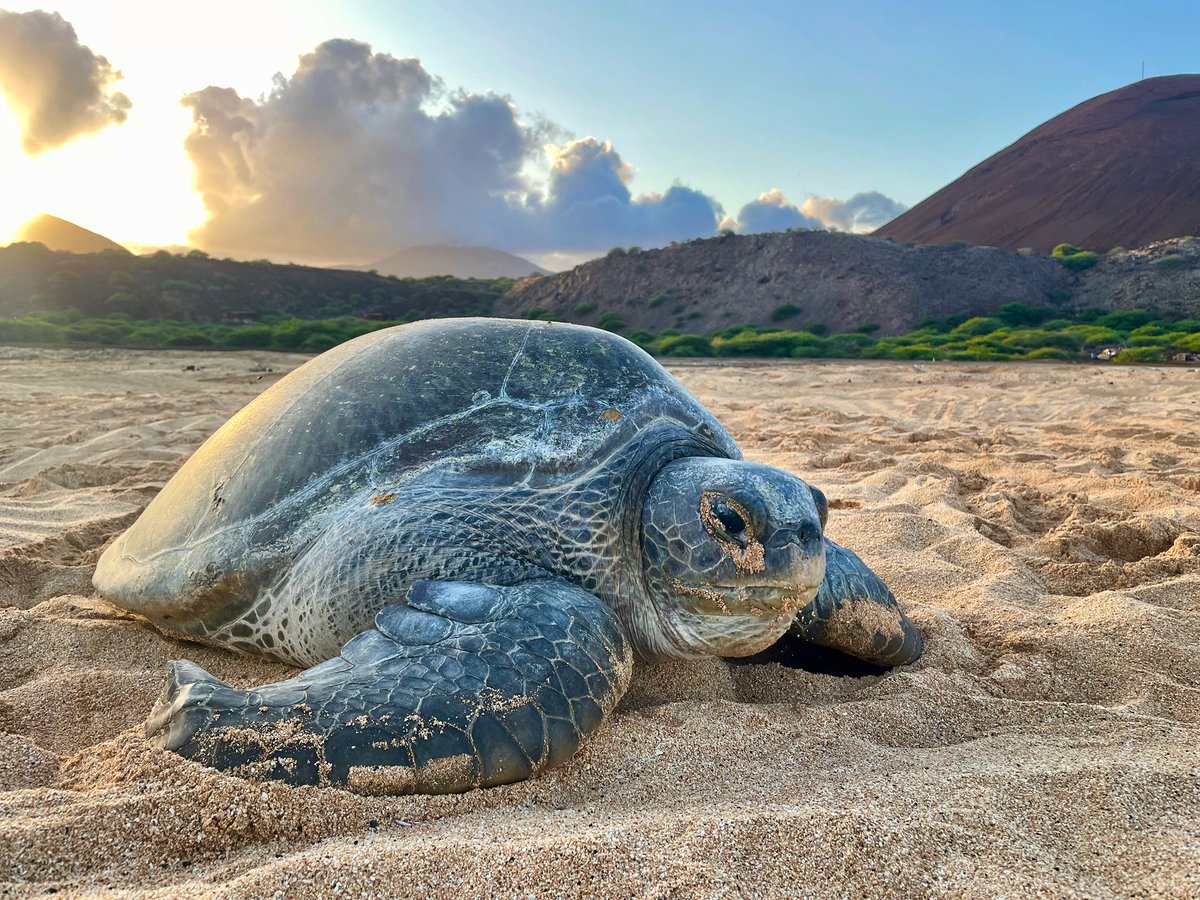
<point x="131" y="182"/>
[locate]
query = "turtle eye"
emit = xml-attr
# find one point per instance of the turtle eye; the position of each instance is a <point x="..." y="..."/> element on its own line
<point x="724" y="518"/>
<point x="733" y="523"/>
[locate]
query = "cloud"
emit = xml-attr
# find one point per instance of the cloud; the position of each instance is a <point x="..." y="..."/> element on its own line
<point x="358" y="153"/>
<point x="773" y="211"/>
<point x="589" y="204"/>
<point x="57" y="87"/>
<point x="861" y="213"/>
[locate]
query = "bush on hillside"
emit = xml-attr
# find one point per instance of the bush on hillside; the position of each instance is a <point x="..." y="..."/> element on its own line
<point x="1074" y="258"/>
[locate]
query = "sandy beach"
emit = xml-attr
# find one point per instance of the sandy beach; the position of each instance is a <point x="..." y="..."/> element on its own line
<point x="1040" y="522"/>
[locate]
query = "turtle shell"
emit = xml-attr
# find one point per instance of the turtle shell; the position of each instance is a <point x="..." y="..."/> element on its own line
<point x="461" y="399"/>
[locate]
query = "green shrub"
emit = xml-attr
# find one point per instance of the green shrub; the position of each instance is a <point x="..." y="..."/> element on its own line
<point x="1092" y="334"/>
<point x="642" y="337"/>
<point x="913" y="351"/>
<point x="785" y="311"/>
<point x="683" y="345"/>
<point x="582" y="309"/>
<point x="1074" y="258"/>
<point x="1150" y="329"/>
<point x="941" y="326"/>
<point x="1158" y="339"/>
<point x="1048" y="353"/>
<point x="1036" y="338"/>
<point x="976" y="326"/>
<point x="1140" y="355"/>
<point x="611" y="321"/>
<point x="1125" y="319"/>
<point x="538" y="312"/>
<point x="31" y="331"/>
<point x="849" y="345"/>
<point x="319" y="342"/>
<point x="1024" y="314"/>
<point x="656" y="301"/>
<point x="250" y="336"/>
<point x="190" y="338"/>
<point x="750" y="343"/>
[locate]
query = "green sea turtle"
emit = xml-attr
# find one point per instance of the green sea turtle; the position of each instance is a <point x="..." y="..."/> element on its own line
<point x="469" y="528"/>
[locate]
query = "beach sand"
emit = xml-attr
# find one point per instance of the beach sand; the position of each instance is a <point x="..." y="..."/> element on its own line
<point x="1040" y="522"/>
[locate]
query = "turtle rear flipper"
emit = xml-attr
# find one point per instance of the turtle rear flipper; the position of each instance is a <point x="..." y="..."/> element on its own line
<point x="466" y="686"/>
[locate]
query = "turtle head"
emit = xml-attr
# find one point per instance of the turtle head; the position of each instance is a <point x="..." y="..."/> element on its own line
<point x="731" y="551"/>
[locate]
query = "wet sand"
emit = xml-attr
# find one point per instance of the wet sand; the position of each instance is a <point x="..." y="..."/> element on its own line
<point x="1039" y="521"/>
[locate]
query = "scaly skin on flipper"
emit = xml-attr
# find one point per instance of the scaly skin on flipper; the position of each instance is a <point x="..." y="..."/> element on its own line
<point x="856" y="613"/>
<point x="466" y="686"/>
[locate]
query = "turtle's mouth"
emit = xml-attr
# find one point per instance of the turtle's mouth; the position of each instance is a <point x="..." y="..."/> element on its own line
<point x="770" y="601"/>
<point x="734" y="619"/>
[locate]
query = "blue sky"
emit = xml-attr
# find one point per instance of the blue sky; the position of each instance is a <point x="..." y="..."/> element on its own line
<point x="819" y="98"/>
<point x="730" y="100"/>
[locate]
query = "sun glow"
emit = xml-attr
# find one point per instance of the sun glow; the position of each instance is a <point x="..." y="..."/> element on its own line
<point x="133" y="182"/>
<point x="129" y="182"/>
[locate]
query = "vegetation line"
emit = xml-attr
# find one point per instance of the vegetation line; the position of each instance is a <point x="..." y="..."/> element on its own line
<point x="1016" y="332"/>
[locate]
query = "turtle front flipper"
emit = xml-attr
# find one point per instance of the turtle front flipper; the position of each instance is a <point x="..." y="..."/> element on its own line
<point x="855" y="613"/>
<point x="465" y="686"/>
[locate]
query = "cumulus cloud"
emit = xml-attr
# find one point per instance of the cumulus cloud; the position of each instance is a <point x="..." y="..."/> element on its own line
<point x="57" y="87"/>
<point x="861" y="213"/>
<point x="772" y="211"/>
<point x="358" y="153"/>
<point x="589" y="203"/>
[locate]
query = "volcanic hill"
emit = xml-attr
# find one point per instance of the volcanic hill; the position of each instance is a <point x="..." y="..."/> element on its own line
<point x="59" y="234"/>
<point x="1121" y="169"/>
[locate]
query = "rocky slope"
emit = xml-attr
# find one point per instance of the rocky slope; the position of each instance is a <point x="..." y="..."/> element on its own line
<point x="1120" y="169"/>
<point x="840" y="281"/>
<point x="1163" y="276"/>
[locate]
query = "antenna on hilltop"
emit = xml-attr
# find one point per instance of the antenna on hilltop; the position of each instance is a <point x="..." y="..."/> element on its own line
<point x="1143" y="78"/>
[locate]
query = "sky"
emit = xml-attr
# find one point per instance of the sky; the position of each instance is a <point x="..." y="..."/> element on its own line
<point x="333" y="133"/>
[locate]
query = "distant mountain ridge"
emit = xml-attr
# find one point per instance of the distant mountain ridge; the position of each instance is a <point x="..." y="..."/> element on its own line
<point x="460" y="262"/>
<point x="1121" y="169"/>
<point x="59" y="234"/>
